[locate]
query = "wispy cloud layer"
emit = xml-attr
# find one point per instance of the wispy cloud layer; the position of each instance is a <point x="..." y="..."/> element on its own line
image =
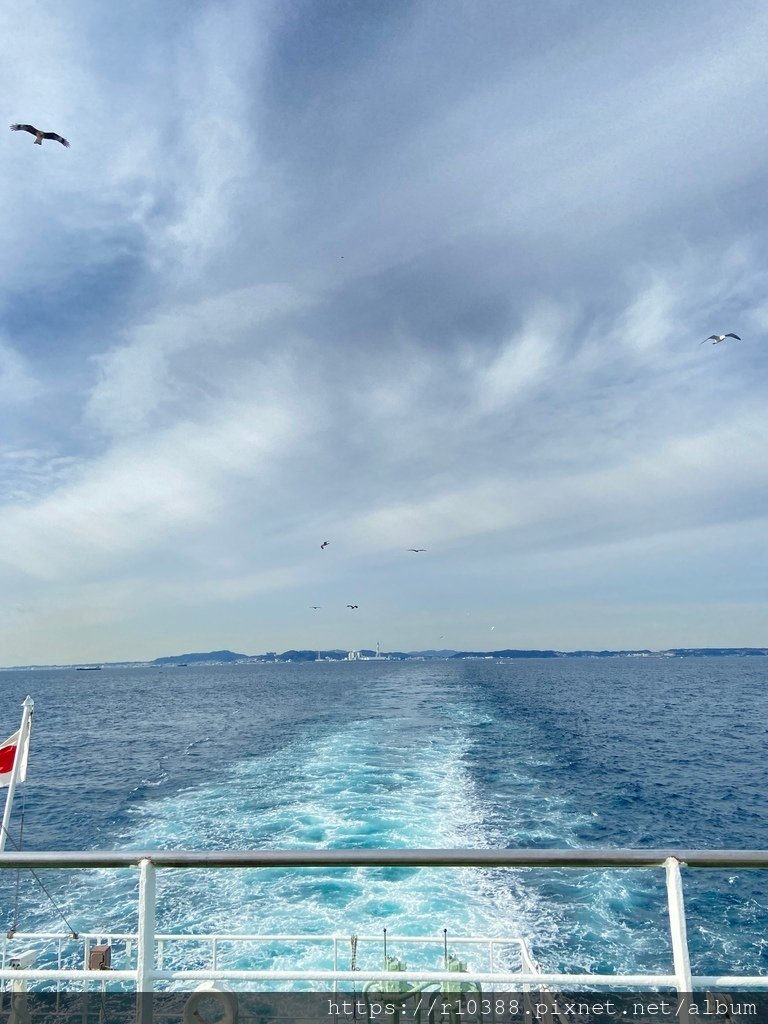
<point x="411" y="276"/>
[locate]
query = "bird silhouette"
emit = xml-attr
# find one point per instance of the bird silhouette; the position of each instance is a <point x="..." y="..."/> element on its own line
<point x="718" y="338"/>
<point x="324" y="545"/>
<point x="39" y="136"/>
<point x="316" y="607"/>
<point x="351" y="606"/>
<point x="417" y="550"/>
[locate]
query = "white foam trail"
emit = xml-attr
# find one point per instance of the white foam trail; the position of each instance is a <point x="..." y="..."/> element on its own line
<point x="402" y="780"/>
<point x="371" y="784"/>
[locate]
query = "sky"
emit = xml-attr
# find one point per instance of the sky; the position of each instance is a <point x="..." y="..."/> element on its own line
<point x="423" y="274"/>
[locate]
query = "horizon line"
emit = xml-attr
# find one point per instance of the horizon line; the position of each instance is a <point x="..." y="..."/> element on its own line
<point x="268" y="656"/>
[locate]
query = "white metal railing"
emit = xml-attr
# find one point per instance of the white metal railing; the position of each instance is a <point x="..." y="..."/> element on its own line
<point x="150" y="946"/>
<point x="332" y="947"/>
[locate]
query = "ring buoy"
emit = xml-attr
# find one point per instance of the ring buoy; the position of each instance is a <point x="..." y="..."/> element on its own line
<point x="205" y="992"/>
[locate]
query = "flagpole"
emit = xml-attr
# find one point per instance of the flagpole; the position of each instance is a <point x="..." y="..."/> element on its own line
<point x="21" y="750"/>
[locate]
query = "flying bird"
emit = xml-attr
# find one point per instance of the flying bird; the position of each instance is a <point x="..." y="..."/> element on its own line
<point x="316" y="607"/>
<point x="39" y="136"/>
<point x="324" y="545"/>
<point x="718" y="338"/>
<point x="351" y="606"/>
<point x="417" y="550"/>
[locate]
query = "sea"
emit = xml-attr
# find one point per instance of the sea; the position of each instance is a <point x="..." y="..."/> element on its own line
<point x="566" y="753"/>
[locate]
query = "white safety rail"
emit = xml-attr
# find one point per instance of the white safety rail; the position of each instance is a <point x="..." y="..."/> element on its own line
<point x="175" y="946"/>
<point x="143" y="955"/>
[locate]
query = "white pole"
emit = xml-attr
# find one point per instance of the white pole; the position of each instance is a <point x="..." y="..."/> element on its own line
<point x="24" y="733"/>
<point x="145" y="945"/>
<point x="683" y="980"/>
<point x="145" y="965"/>
<point x="677" y="925"/>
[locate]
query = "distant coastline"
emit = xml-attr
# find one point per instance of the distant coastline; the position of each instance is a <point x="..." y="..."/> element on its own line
<point x="338" y="655"/>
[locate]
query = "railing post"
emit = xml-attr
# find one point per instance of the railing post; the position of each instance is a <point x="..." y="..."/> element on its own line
<point x="677" y="926"/>
<point x="145" y="965"/>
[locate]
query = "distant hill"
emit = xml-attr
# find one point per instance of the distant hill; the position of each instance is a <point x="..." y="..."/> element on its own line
<point x="311" y="655"/>
<point x="717" y="652"/>
<point x="210" y="656"/>
<point x="611" y="654"/>
<point x="430" y="654"/>
<point x="231" y="657"/>
<point x="508" y="654"/>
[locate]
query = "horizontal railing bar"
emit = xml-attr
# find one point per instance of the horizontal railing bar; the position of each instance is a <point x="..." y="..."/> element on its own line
<point x="383" y="858"/>
<point x="209" y="937"/>
<point x="498" y="978"/>
<point x="394" y="977"/>
<point x="65" y="974"/>
<point x="236" y="937"/>
<point x="726" y="981"/>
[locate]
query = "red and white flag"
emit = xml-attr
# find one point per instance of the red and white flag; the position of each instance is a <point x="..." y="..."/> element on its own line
<point x="8" y="753"/>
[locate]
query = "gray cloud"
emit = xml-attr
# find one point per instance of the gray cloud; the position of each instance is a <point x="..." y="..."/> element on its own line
<point x="420" y="275"/>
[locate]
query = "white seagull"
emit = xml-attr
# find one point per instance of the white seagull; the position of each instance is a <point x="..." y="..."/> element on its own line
<point x="717" y="338"/>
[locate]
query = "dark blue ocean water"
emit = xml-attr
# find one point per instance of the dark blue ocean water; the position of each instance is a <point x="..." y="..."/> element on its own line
<point x="593" y="753"/>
